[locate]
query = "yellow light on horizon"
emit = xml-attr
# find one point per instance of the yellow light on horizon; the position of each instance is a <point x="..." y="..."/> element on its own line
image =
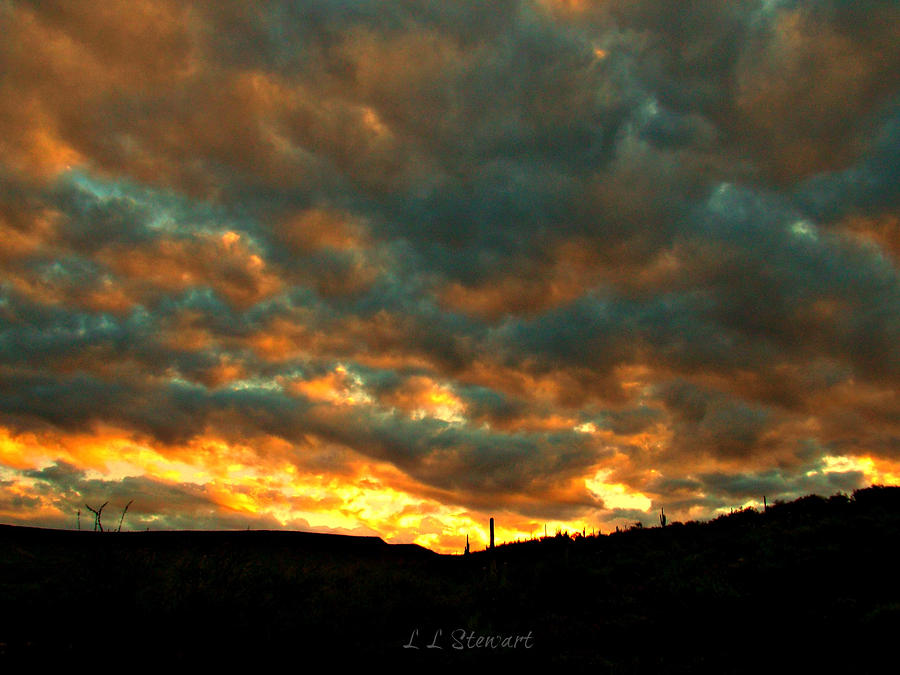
<point x="616" y="495"/>
<point x="877" y="471"/>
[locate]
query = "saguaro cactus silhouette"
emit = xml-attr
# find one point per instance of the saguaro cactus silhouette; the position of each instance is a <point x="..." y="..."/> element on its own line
<point x="492" y="533"/>
<point x="662" y="516"/>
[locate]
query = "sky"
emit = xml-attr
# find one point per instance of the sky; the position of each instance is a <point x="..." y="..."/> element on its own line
<point x="394" y="268"/>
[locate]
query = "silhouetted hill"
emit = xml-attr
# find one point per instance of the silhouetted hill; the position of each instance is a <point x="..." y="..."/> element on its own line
<point x="207" y="539"/>
<point x="806" y="586"/>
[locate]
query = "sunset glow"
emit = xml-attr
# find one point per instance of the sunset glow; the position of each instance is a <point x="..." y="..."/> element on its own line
<point x="393" y="269"/>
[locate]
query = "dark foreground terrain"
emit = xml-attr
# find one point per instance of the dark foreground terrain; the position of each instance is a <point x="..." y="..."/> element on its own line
<point x="808" y="586"/>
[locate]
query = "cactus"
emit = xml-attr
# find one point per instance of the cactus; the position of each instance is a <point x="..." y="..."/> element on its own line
<point x="662" y="516"/>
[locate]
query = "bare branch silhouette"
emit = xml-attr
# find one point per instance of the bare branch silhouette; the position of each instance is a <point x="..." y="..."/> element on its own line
<point x="97" y="514"/>
<point x="88" y="506"/>
<point x="119" y="529"/>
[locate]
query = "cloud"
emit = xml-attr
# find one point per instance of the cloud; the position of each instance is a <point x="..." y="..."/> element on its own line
<point x="497" y="252"/>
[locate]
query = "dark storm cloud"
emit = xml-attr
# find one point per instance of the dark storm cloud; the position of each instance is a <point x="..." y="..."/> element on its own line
<point x="870" y="186"/>
<point x="464" y="460"/>
<point x="707" y="421"/>
<point x="472" y="460"/>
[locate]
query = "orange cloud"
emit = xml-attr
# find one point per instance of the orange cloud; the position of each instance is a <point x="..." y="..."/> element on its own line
<point x="421" y="396"/>
<point x="323" y="228"/>
<point x="62" y="60"/>
<point x="337" y="387"/>
<point x="882" y="231"/>
<point x="222" y="262"/>
<point x="801" y="95"/>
